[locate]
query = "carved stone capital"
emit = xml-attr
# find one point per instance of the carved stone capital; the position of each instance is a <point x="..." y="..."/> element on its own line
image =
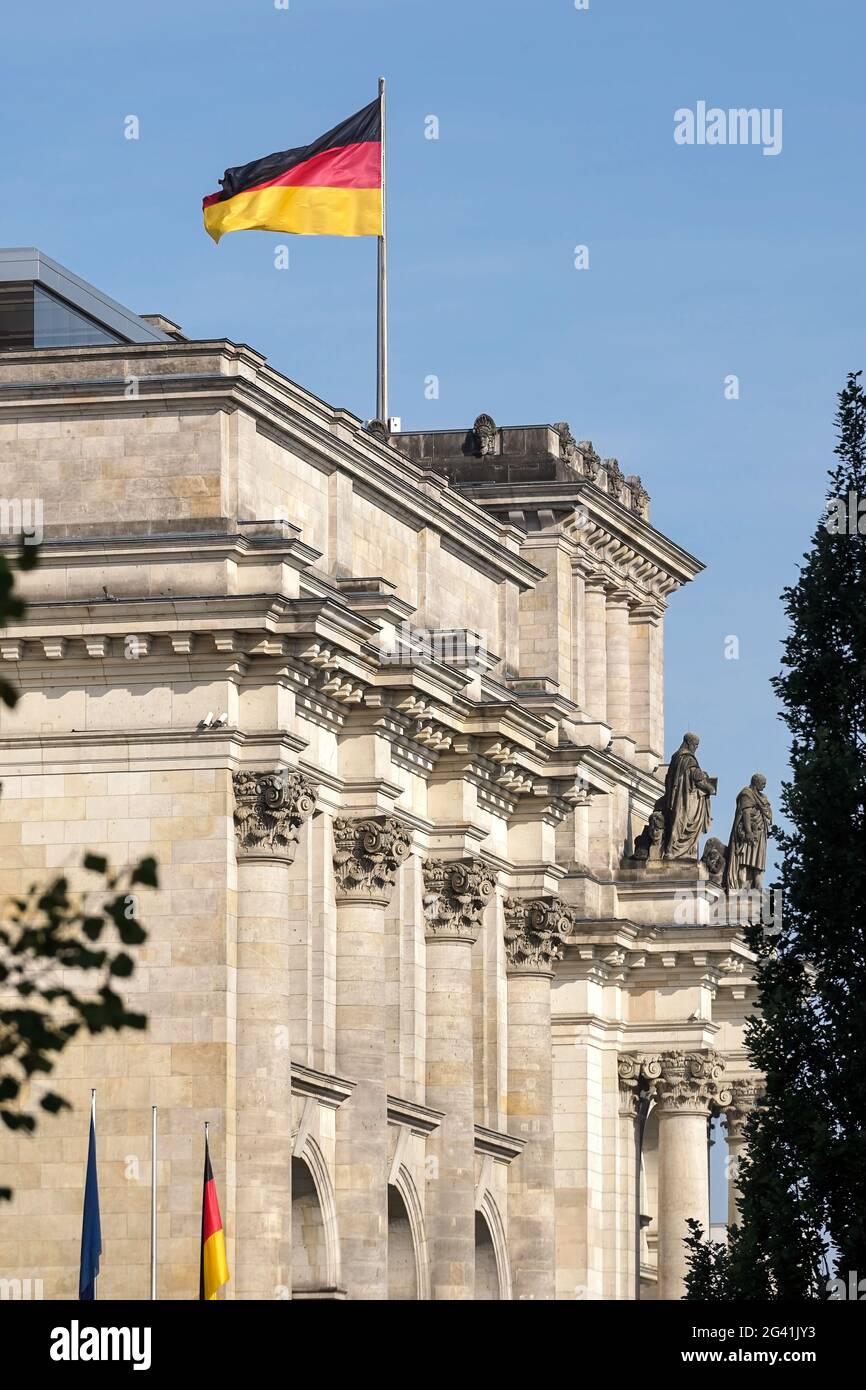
<point x="270" y="808"/>
<point x="456" y="893"/>
<point x="534" y="929"/>
<point x="637" y="1078"/>
<point x="745" y="1096"/>
<point x="691" y="1083"/>
<point x="367" y="854"/>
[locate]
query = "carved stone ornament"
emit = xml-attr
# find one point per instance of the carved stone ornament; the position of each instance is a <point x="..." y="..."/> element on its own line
<point x="379" y="430"/>
<point x="270" y="808"/>
<point x="534" y="930"/>
<point x="567" y="443"/>
<point x="691" y="1082"/>
<point x="456" y="893"/>
<point x="615" y="478"/>
<point x="484" y="431"/>
<point x="591" y="460"/>
<point x="637" y="1080"/>
<point x="713" y="859"/>
<point x="745" y="1096"/>
<point x="367" y="854"/>
<point x="639" y="495"/>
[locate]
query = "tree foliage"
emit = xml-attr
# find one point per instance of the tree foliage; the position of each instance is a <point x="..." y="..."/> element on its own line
<point x="803" y="1181"/>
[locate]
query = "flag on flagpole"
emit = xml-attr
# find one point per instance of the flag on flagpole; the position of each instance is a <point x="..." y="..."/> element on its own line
<point x="91" y="1228"/>
<point x="214" y="1270"/>
<point x="332" y="187"/>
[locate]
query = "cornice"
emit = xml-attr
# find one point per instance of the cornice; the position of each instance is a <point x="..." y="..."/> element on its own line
<point x="598" y="513"/>
<point x="329" y="439"/>
<point x="497" y="1145"/>
<point x="420" y="1119"/>
<point x="330" y="1091"/>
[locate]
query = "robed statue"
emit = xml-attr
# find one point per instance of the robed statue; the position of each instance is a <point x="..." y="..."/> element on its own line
<point x="747" y="848"/>
<point x="686" y="801"/>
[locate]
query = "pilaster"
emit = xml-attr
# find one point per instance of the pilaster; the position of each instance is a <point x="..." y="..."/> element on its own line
<point x="456" y="894"/>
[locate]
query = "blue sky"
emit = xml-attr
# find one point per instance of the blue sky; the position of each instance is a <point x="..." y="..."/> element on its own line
<point x="556" y="129"/>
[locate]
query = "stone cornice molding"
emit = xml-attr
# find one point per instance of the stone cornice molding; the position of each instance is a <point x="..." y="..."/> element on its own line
<point x="220" y="375"/>
<point x="270" y="808"/>
<point x="534" y="929"/>
<point x="368" y="851"/>
<point x="456" y="893"/>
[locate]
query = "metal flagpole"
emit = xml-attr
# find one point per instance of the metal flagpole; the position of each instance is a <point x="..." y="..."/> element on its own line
<point x="382" y="322"/>
<point x="93" y="1122"/>
<point x="153" y="1157"/>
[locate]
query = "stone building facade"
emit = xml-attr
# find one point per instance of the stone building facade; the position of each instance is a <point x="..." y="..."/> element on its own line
<point x="389" y="713"/>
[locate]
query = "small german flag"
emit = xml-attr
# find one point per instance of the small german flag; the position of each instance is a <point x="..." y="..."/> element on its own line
<point x="214" y="1270"/>
<point x="332" y="187"/>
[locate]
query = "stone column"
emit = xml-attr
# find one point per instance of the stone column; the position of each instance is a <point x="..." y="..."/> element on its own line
<point x="645" y="681"/>
<point x="455" y="895"/>
<point x="744" y="1099"/>
<point x="636" y="1087"/>
<point x="617" y="635"/>
<point x="688" y="1084"/>
<point x="595" y="647"/>
<point x="367" y="854"/>
<point x="269" y="810"/>
<point x="533" y="932"/>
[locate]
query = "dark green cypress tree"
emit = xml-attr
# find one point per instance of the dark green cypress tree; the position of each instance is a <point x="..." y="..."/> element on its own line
<point x="805" y="1173"/>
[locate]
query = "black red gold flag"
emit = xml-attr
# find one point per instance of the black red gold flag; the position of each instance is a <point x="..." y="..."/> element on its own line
<point x="213" y="1270"/>
<point x="332" y="187"/>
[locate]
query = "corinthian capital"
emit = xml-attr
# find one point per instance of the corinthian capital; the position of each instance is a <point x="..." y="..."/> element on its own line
<point x="270" y="808"/>
<point x="367" y="854"/>
<point x="534" y="929"/>
<point x="745" y="1095"/>
<point x="691" y="1082"/>
<point x="456" y="893"/>
<point x="637" y="1080"/>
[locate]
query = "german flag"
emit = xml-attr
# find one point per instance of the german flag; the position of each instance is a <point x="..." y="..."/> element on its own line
<point x="330" y="188"/>
<point x="214" y="1270"/>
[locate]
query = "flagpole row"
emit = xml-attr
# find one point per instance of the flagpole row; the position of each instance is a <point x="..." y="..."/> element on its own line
<point x="382" y="317"/>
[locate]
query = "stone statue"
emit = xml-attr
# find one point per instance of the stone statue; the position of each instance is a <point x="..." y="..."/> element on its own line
<point x="686" y="801"/>
<point x="713" y="859"/>
<point x="648" y="844"/>
<point x="747" y="849"/>
<point x="484" y="431"/>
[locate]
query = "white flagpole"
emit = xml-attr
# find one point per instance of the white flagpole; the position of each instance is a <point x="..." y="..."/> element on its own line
<point x="93" y="1122"/>
<point x="153" y="1160"/>
<point x="382" y="321"/>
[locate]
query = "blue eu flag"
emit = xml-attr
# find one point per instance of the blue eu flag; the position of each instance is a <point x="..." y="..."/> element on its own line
<point x="91" y="1230"/>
